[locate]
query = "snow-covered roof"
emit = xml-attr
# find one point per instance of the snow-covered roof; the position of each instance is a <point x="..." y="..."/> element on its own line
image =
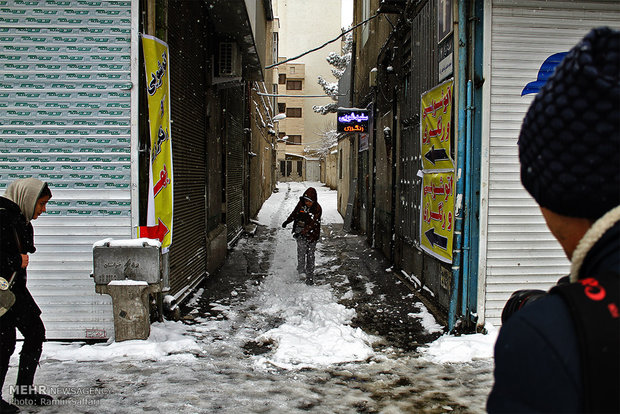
<point x="352" y="109"/>
<point x="295" y="155"/>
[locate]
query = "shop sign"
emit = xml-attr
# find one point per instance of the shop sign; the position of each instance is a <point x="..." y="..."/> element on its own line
<point x="353" y="120"/>
<point x="437" y="215"/>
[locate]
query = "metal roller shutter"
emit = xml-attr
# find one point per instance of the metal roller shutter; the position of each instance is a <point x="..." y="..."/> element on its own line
<point x="517" y="250"/>
<point x="234" y="171"/>
<point x="188" y="253"/>
<point x="65" y="106"/>
<point x="421" y="69"/>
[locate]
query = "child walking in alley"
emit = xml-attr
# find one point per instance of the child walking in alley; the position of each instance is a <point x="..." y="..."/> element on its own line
<point x="306" y="218"/>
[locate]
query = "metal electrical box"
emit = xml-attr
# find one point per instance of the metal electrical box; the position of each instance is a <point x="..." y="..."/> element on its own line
<point x="142" y="263"/>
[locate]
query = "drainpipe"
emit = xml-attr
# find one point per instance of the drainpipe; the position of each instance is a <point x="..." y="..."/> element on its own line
<point x="467" y="211"/>
<point x="458" y="210"/>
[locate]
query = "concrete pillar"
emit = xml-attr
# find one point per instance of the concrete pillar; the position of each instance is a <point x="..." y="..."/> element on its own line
<point x="130" y="302"/>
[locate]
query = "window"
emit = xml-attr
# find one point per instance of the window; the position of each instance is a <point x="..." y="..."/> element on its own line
<point x="281" y="135"/>
<point x="274" y="51"/>
<point x="281" y="108"/>
<point x="444" y="19"/>
<point x="294" y="139"/>
<point x="285" y="168"/>
<point x="293" y="85"/>
<point x="293" y="112"/>
<point x="282" y="79"/>
<point x="292" y="69"/>
<point x="340" y="165"/>
<point x="365" y="16"/>
<point x="300" y="165"/>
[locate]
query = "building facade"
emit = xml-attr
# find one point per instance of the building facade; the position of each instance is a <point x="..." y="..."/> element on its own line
<point x="291" y="149"/>
<point x="72" y="77"/>
<point x="301" y="31"/>
<point x="479" y="60"/>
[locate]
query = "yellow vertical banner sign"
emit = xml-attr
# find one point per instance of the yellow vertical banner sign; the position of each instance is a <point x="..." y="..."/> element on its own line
<point x="436" y="127"/>
<point x="160" y="204"/>
<point x="437" y="223"/>
<point x="437" y="210"/>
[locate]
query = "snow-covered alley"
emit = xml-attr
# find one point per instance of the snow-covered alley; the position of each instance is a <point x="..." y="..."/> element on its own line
<point x="256" y="339"/>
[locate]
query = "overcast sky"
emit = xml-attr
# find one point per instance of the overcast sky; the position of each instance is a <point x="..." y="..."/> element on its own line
<point x="347" y="12"/>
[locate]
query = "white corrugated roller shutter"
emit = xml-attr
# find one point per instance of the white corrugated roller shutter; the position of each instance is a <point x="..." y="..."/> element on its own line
<point x="517" y="249"/>
<point x="65" y="106"/>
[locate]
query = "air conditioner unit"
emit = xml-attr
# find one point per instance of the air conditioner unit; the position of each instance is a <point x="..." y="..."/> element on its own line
<point x="229" y="60"/>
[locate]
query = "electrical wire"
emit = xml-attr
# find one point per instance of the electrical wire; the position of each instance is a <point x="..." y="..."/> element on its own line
<point x="295" y="96"/>
<point x="324" y="44"/>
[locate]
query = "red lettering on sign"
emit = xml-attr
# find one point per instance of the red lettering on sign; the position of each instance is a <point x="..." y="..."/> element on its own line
<point x="448" y="186"/>
<point x="446" y="133"/>
<point x="163" y="181"/>
<point x="437" y="105"/>
<point x="430" y="215"/>
<point x="436" y="132"/>
<point x="427" y="110"/>
<point x="593" y="290"/>
<point x="433" y="190"/>
<point x="447" y="98"/>
<point x="442" y="103"/>
<point x="437" y="215"/>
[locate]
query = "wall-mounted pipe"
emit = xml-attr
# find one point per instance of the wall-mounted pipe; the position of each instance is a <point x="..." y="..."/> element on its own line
<point x="467" y="199"/>
<point x="460" y="164"/>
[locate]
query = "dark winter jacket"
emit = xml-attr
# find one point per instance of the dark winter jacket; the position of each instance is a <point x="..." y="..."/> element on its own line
<point x="538" y="355"/>
<point x="16" y="238"/>
<point x="307" y="222"/>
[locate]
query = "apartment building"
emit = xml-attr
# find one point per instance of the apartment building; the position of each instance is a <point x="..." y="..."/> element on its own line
<point x="290" y="149"/>
<point x="298" y="89"/>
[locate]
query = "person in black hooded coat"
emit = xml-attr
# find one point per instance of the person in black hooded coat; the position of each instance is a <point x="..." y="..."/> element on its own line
<point x="306" y="218"/>
<point x="24" y="201"/>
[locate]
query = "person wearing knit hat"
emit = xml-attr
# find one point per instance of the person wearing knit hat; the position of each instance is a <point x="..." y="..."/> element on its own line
<point x="559" y="351"/>
<point x="24" y="200"/>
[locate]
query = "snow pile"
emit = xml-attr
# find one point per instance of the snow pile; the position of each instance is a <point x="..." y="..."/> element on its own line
<point x="168" y="340"/>
<point x="427" y="320"/>
<point x="464" y="348"/>
<point x="315" y="330"/>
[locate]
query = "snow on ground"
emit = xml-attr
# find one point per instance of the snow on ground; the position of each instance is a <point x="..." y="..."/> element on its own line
<point x="305" y="328"/>
<point x="426" y="319"/>
<point x="168" y="341"/>
<point x="328" y="199"/>
<point x="316" y="330"/>
<point x="464" y="348"/>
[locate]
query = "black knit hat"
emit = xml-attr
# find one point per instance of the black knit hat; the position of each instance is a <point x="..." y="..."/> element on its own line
<point x="569" y="146"/>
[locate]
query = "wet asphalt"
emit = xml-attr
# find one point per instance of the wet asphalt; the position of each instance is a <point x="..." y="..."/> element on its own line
<point x="396" y="380"/>
<point x="223" y="317"/>
<point x="380" y="298"/>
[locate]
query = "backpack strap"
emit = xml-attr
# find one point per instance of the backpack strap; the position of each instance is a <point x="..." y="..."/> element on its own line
<point x="593" y="304"/>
